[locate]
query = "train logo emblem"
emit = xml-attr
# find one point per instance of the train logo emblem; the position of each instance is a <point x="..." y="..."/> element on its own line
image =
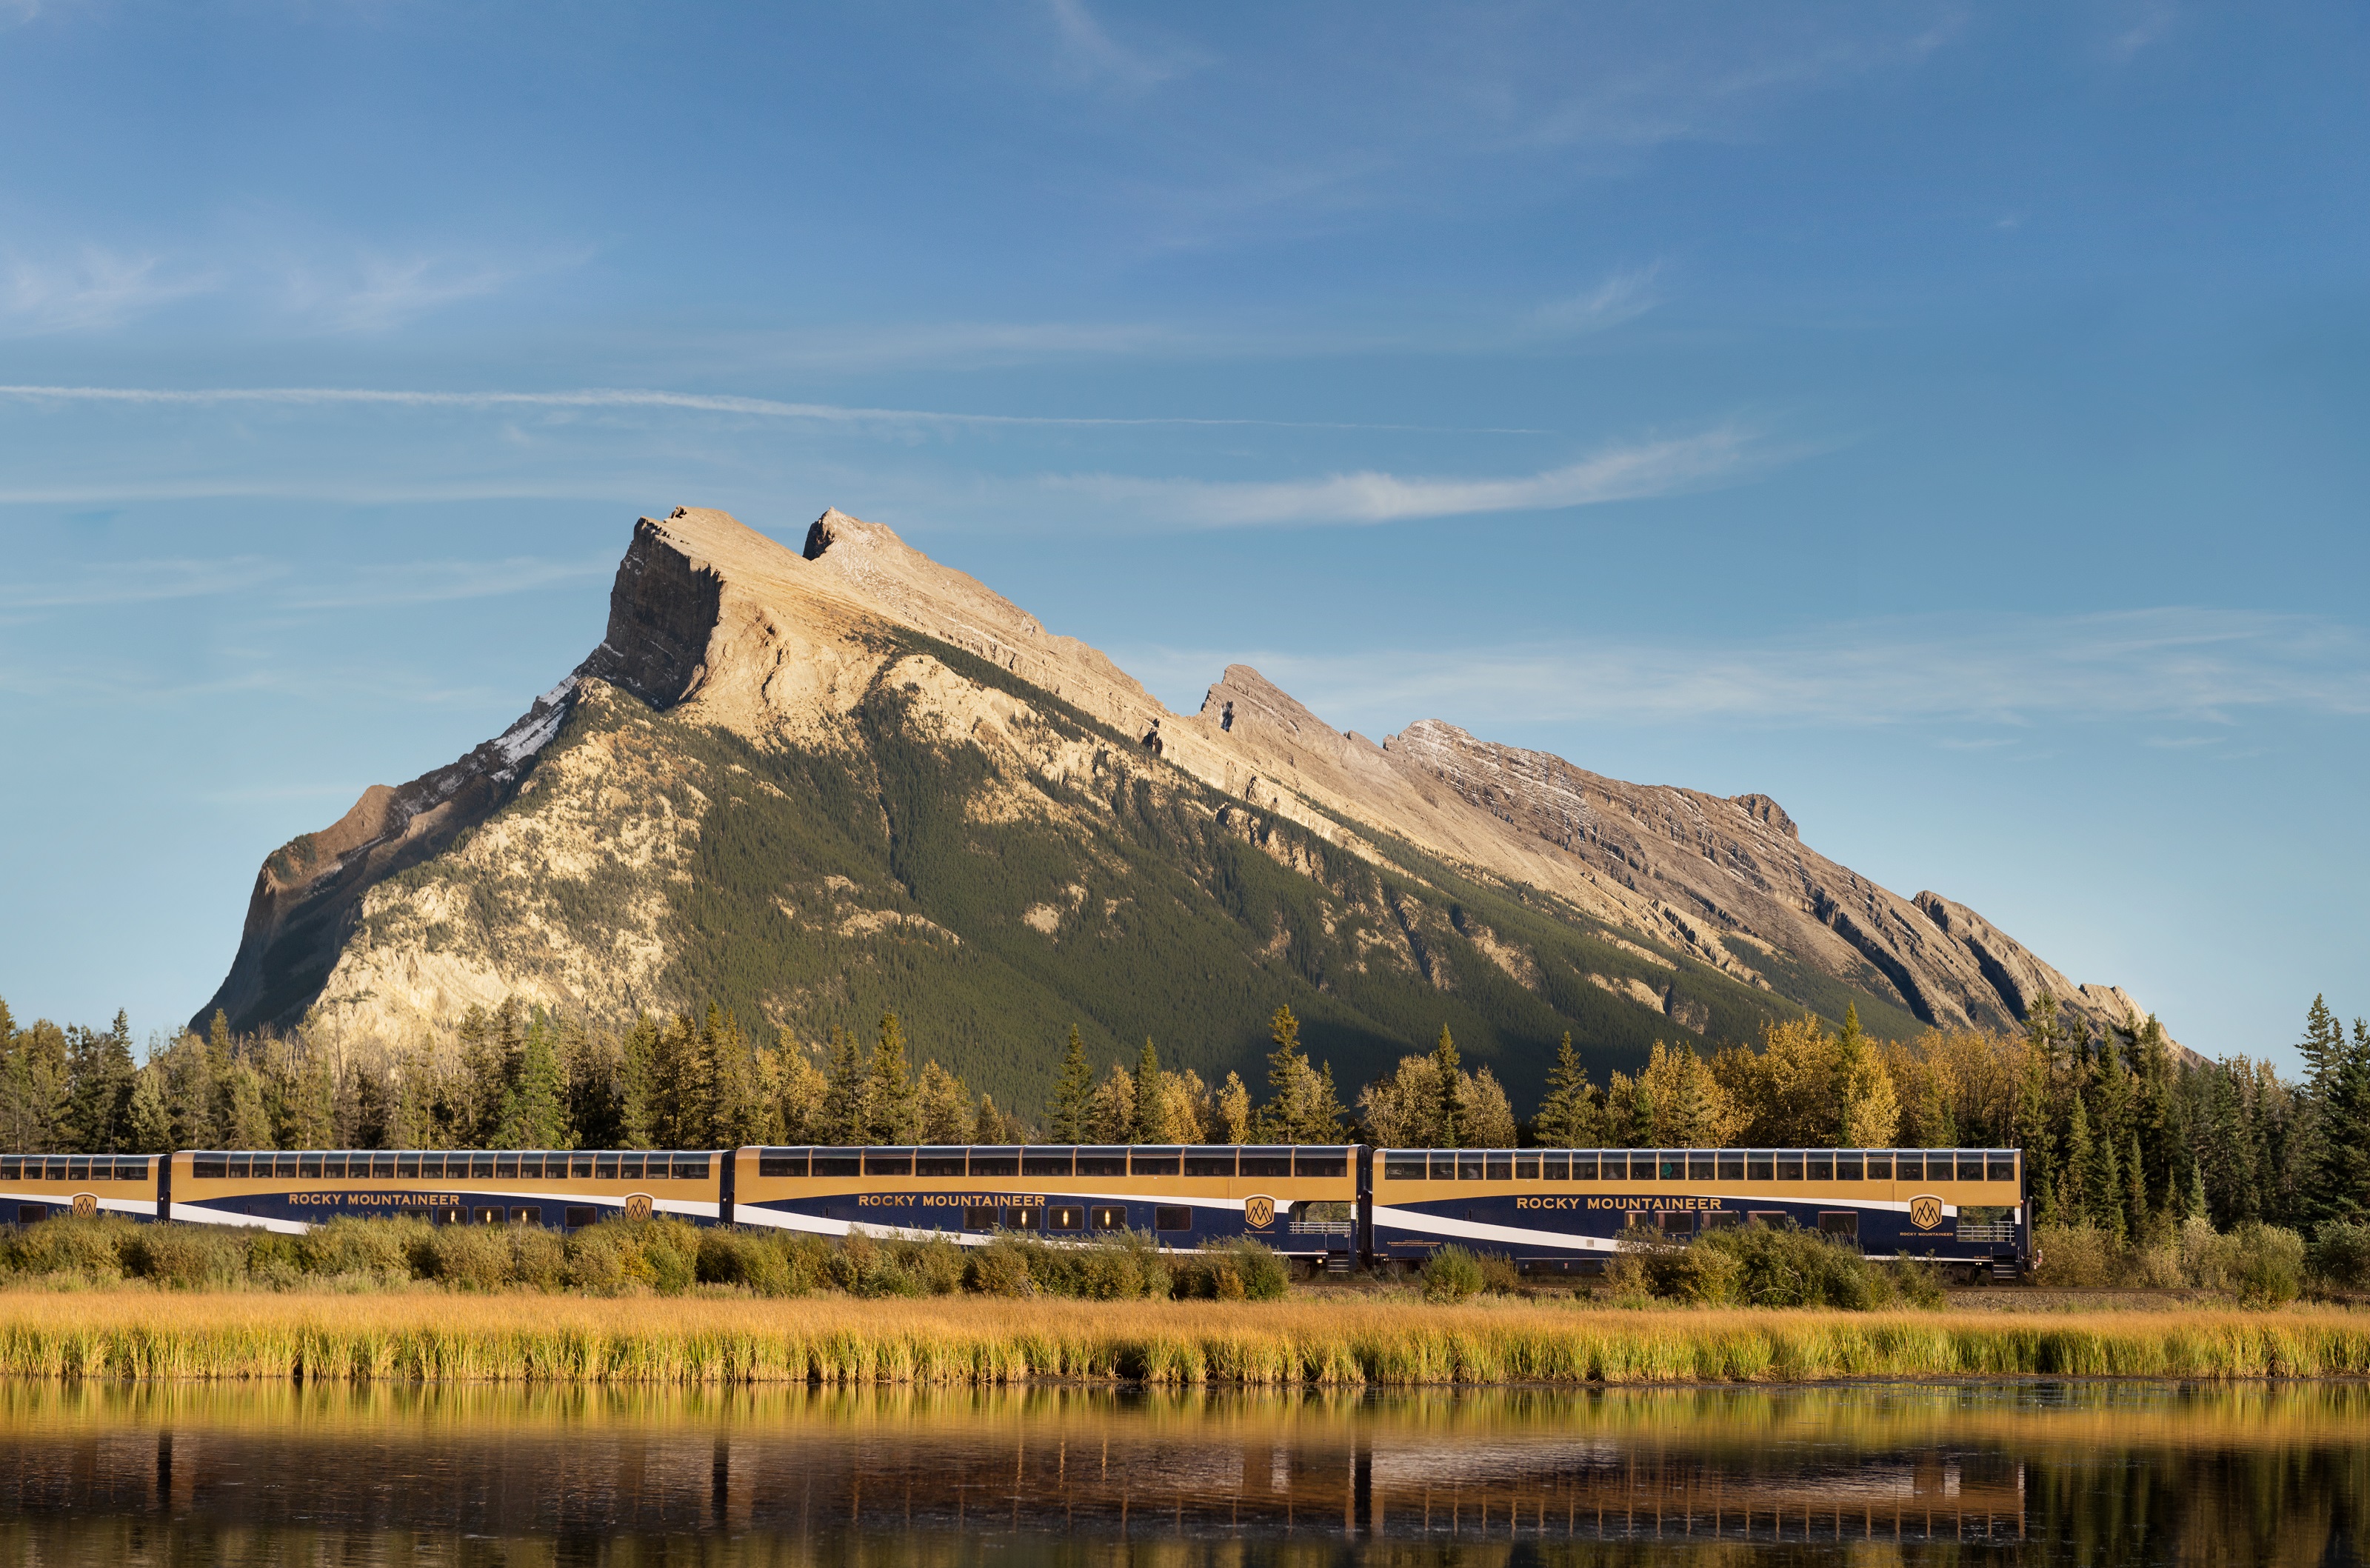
<point x="85" y="1205"/>
<point x="1258" y="1212"/>
<point x="1926" y="1211"/>
<point x="637" y="1206"/>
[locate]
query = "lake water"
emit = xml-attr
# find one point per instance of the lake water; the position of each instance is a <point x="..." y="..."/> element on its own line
<point x="2093" y="1473"/>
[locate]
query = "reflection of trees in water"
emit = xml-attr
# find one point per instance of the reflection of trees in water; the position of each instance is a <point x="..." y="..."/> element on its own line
<point x="2105" y="1473"/>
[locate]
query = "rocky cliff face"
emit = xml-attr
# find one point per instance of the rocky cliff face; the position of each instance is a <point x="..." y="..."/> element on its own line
<point x="807" y="755"/>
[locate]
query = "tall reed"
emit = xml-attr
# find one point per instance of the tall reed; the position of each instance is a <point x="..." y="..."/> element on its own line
<point x="959" y="1341"/>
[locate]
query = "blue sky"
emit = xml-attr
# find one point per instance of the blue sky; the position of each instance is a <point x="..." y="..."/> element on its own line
<point x="1946" y="419"/>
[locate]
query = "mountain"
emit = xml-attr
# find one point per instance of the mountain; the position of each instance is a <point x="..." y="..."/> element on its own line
<point x="813" y="785"/>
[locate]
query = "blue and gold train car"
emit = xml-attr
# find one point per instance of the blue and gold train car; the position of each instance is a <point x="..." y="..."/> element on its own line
<point x="295" y="1191"/>
<point x="1300" y="1200"/>
<point x="37" y="1186"/>
<point x="1567" y="1210"/>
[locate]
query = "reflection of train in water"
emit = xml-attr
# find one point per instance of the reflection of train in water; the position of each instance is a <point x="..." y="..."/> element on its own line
<point x="1561" y="1211"/>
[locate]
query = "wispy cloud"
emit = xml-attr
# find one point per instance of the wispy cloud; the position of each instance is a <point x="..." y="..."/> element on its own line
<point x="141" y="582"/>
<point x="1618" y="298"/>
<point x="1092" y="52"/>
<point x="1621" y="472"/>
<point x="379" y="292"/>
<point x="95" y="288"/>
<point x="594" y="399"/>
<point x="2203" y="666"/>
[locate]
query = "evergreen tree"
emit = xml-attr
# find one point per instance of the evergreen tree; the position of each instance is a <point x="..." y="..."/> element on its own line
<point x="1448" y="1079"/>
<point x="1151" y="1120"/>
<point x="943" y="1107"/>
<point x="2135" y="1200"/>
<point x="993" y="1126"/>
<point x="1568" y="1117"/>
<point x="844" y="1116"/>
<point x="535" y="1112"/>
<point x="2074" y="1193"/>
<point x="2341" y="1185"/>
<point x="246" y="1119"/>
<point x="2103" y="1185"/>
<point x="799" y="1090"/>
<point x="148" y="1118"/>
<point x="1231" y="1111"/>
<point x="98" y="1068"/>
<point x="893" y="1117"/>
<point x="1867" y="1112"/>
<point x="1074" y="1093"/>
<point x="641" y="1094"/>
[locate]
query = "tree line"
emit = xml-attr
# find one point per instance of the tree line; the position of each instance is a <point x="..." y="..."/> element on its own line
<point x="2121" y="1133"/>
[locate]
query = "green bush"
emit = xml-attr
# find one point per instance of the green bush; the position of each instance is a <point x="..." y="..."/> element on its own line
<point x="384" y="1250"/>
<point x="1787" y="1266"/>
<point x="189" y="1257"/>
<point x="2075" y="1257"/>
<point x="1452" y="1273"/>
<point x="1000" y="1268"/>
<point x="470" y="1257"/>
<point x="669" y="1251"/>
<point x="2340" y="1255"/>
<point x="539" y="1258"/>
<point x="1917" y="1282"/>
<point x="1241" y="1270"/>
<point x="1701" y="1273"/>
<point x="2266" y="1264"/>
<point x="91" y="1250"/>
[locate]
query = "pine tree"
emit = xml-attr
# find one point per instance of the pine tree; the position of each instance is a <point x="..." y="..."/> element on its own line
<point x="943" y="1107"/>
<point x="2341" y="1185"/>
<point x="1231" y="1111"/>
<point x="148" y="1119"/>
<point x="641" y="1094"/>
<point x="845" y="1113"/>
<point x="2103" y="1185"/>
<point x="1568" y="1117"/>
<point x="1074" y="1093"/>
<point x="1868" y="1108"/>
<point x="535" y="1111"/>
<point x="2074" y="1193"/>
<point x="1151" y="1122"/>
<point x="1448" y="1079"/>
<point x="892" y="1115"/>
<point x="245" y="1119"/>
<point x="98" y="1068"/>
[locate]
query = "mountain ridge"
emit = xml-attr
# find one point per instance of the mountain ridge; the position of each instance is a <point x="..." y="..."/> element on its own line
<point x="717" y="630"/>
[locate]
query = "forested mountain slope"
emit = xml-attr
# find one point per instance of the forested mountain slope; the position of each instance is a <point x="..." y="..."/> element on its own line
<point x="814" y="787"/>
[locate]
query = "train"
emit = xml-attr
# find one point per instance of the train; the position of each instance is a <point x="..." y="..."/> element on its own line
<point x="1331" y="1208"/>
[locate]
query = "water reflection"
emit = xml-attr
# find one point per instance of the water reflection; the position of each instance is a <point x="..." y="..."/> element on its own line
<point x="2100" y="1473"/>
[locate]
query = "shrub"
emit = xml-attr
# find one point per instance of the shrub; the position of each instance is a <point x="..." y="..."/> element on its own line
<point x="189" y="1257"/>
<point x="1787" y="1266"/>
<point x="382" y="1249"/>
<point x="1700" y="1272"/>
<point x="539" y="1258"/>
<point x="1242" y="1270"/>
<point x="1501" y="1275"/>
<point x="2339" y="1256"/>
<point x="1915" y="1282"/>
<point x="2074" y="1257"/>
<point x="470" y="1257"/>
<point x="601" y="1259"/>
<point x="1000" y="1268"/>
<point x="1452" y="1273"/>
<point x="2266" y="1264"/>
<point x="90" y="1250"/>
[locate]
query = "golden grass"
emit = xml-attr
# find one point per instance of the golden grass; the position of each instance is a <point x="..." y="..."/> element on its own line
<point x="958" y="1341"/>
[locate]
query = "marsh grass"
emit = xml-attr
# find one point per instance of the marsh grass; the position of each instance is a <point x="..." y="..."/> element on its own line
<point x="975" y="1341"/>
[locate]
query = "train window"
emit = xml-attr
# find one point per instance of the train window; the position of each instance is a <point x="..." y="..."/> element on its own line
<point x="1155" y="1161"/>
<point x="1404" y="1165"/>
<point x="1701" y="1164"/>
<point x="1909" y="1165"/>
<point x="79" y="1169"/>
<point x="1676" y="1222"/>
<point x="1021" y="1217"/>
<point x="1760" y="1165"/>
<point x="12" y="1168"/>
<point x="32" y="1214"/>
<point x="1470" y="1167"/>
<point x="308" y="1165"/>
<point x="333" y="1167"/>
<point x="382" y="1167"/>
<point x="579" y="1165"/>
<point x="576" y="1216"/>
<point x="2000" y="1165"/>
<point x="1776" y="1219"/>
<point x="1111" y="1217"/>
<point x="888" y="1162"/>
<point x="939" y="1162"/>
<point x="1821" y="1165"/>
<point x="1047" y="1161"/>
<point x="1443" y="1167"/>
<point x="1671" y="1165"/>
<point x="1556" y="1167"/>
<point x="1320" y="1162"/>
<point x="481" y="1166"/>
<point x="1615" y="1165"/>
<point x="489" y="1216"/>
<point x="1583" y="1165"/>
<point x="1258" y="1161"/>
<point x="629" y="1168"/>
<point x="1731" y="1165"/>
<point x="235" y="1167"/>
<point x="1498" y="1167"/>
<point x="57" y="1167"/>
<point x="1848" y="1166"/>
<point x="1169" y="1216"/>
<point x="405" y="1165"/>
<point x="1789" y="1165"/>
<point x="691" y="1167"/>
<point x="1721" y="1219"/>
<point x="1526" y="1168"/>
<point x="980" y="1217"/>
<point x="132" y="1170"/>
<point x="1971" y="1165"/>
<point x="1844" y="1223"/>
<point x="1102" y="1162"/>
<point x="204" y="1167"/>
<point x="1215" y="1162"/>
<point x="514" y="1166"/>
<point x="782" y="1162"/>
<point x="605" y="1167"/>
<point x="995" y="1162"/>
<point x="529" y="1214"/>
<point x="432" y="1166"/>
<point x="838" y="1162"/>
<point x="1066" y="1216"/>
<point x="1879" y="1166"/>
